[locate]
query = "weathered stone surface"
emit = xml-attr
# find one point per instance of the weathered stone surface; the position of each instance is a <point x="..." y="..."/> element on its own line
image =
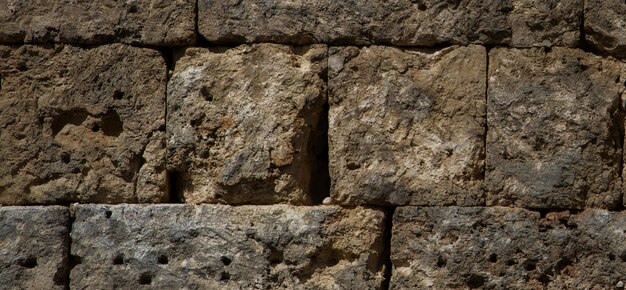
<point x="240" y="122"/>
<point x="223" y="247"/>
<point x="507" y="248"/>
<point x="605" y="26"/>
<point x="82" y="124"/>
<point x="520" y="23"/>
<point x="553" y="139"/>
<point x="146" y="22"/>
<point x="34" y="247"/>
<point x="407" y="126"/>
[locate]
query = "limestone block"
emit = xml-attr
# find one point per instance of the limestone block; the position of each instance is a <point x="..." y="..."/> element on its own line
<point x="506" y="248"/>
<point x="522" y="23"/>
<point x="240" y="123"/>
<point x="407" y="126"/>
<point x="554" y="137"/>
<point x="145" y="22"/>
<point x="34" y="249"/>
<point x="224" y="247"/>
<point x="82" y="124"/>
<point x="605" y="26"/>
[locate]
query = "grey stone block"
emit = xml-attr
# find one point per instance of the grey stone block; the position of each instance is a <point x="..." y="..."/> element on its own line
<point x="224" y="247"/>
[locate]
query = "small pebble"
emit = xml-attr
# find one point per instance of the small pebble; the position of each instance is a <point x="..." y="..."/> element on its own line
<point x="620" y="284"/>
<point x="327" y="200"/>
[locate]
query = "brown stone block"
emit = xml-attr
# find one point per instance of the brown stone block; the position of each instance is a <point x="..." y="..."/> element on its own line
<point x="407" y="126"/>
<point x="82" y="125"/>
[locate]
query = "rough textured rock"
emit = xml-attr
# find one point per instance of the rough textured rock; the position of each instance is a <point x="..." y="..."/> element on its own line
<point x="223" y="247"/>
<point x="407" y="126"/>
<point x="521" y="23"/>
<point x="146" y="22"/>
<point x="605" y="26"/>
<point x="240" y="123"/>
<point x="507" y="248"/>
<point x="33" y="247"/>
<point x="81" y="124"/>
<point x="553" y="139"/>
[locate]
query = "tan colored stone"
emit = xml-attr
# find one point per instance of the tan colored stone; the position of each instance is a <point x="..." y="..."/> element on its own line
<point x="34" y="247"/>
<point x="554" y="137"/>
<point x="506" y="248"/>
<point x="240" y="123"/>
<point x="224" y="247"/>
<point x="146" y="22"/>
<point x="82" y="125"/>
<point x="521" y="23"/>
<point x="407" y="126"/>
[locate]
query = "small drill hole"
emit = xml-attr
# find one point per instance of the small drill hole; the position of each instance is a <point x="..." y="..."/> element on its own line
<point x="145" y="279"/>
<point x="30" y="262"/>
<point x="493" y="258"/>
<point x="118" y="95"/>
<point x="118" y="260"/>
<point x="163" y="259"/>
<point x="206" y="94"/>
<point x="530" y="266"/>
<point x="225" y="260"/>
<point x="108" y="213"/>
<point x="441" y="262"/>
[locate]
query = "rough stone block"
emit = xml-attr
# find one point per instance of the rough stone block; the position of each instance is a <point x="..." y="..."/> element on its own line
<point x="34" y="249"/>
<point x="605" y="26"/>
<point x="521" y="23"/>
<point x="407" y="126"/>
<point x="146" y="22"/>
<point x="224" y="247"/>
<point x="82" y="124"/>
<point x="554" y="137"/>
<point x="507" y="248"/>
<point x="240" y="123"/>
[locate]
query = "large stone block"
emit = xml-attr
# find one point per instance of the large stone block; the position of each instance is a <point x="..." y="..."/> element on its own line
<point x="407" y="126"/>
<point x="521" y="23"/>
<point x="554" y="129"/>
<point x="605" y="26"/>
<point x="240" y="123"/>
<point x="82" y="124"/>
<point x="507" y="248"/>
<point x="224" y="247"/>
<point x="145" y="22"/>
<point x="34" y="247"/>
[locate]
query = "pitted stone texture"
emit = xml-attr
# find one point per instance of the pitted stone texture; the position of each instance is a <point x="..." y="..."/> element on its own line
<point x="605" y="26"/>
<point x="407" y="126"/>
<point x="145" y="22"/>
<point x="506" y="248"/>
<point x="521" y="23"/>
<point x="34" y="247"/>
<point x="82" y="125"/>
<point x="553" y="139"/>
<point x="240" y="122"/>
<point x="224" y="247"/>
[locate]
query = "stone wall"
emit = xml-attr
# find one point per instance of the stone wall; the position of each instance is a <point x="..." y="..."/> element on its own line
<point x="358" y="144"/>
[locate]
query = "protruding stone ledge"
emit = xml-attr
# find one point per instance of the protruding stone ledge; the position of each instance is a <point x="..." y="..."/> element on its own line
<point x="224" y="247"/>
<point x="82" y="124"/>
<point x="156" y="22"/>
<point x="554" y="128"/>
<point x="518" y="23"/>
<point x="34" y="249"/>
<point x="504" y="248"/>
<point x="407" y="127"/>
<point x="605" y="26"/>
<point x="240" y="123"/>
